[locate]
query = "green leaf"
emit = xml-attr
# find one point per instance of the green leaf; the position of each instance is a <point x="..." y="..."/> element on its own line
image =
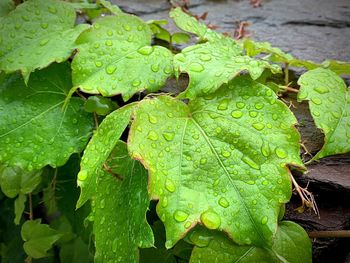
<point x="158" y="31"/>
<point x="180" y="38"/>
<point x="19" y="207"/>
<point x="221" y="160"/>
<point x="34" y="131"/>
<point x="6" y="6"/>
<point x="37" y="33"/>
<point x="190" y="24"/>
<point x="212" y="64"/>
<point x="14" y="181"/>
<point x="100" y="105"/>
<point x="329" y="102"/>
<point x="38" y="238"/>
<point x="120" y="207"/>
<point x="115" y="57"/>
<point x="112" y="8"/>
<point x="291" y="244"/>
<point x="75" y="251"/>
<point x="99" y="148"/>
<point x="339" y="67"/>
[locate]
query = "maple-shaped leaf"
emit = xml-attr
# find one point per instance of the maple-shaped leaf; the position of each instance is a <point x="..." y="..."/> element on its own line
<point x="34" y="131"/>
<point x="121" y="202"/>
<point x="37" y="33"/>
<point x="291" y="245"/>
<point x="212" y="64"/>
<point x="329" y="102"/>
<point x="221" y="160"/>
<point x="115" y="57"/>
<point x="99" y="148"/>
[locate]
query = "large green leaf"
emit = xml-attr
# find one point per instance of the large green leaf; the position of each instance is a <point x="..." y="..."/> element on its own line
<point x="329" y="102"/>
<point x="220" y="161"/>
<point x="115" y="57"/>
<point x="211" y="64"/>
<point x="37" y="33"/>
<point x="99" y="148"/>
<point x="120" y="207"/>
<point x="38" y="238"/>
<point x="34" y="131"/>
<point x="291" y="245"/>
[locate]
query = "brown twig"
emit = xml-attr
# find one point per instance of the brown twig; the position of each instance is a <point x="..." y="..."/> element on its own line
<point x="307" y="198"/>
<point x="241" y="31"/>
<point x="330" y="234"/>
<point x="109" y="170"/>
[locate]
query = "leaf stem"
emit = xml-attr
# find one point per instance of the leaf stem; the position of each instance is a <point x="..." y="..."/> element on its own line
<point x="286" y="73"/>
<point x="30" y="206"/>
<point x="330" y="234"/>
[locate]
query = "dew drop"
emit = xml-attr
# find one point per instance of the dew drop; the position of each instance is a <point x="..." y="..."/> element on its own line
<point x="196" y="67"/>
<point x="210" y="219"/>
<point x="264" y="220"/>
<point x="223" y="105"/>
<point x="136" y="83"/>
<point x="111" y="69"/>
<point x="169" y="136"/>
<point x="203" y="161"/>
<point x="126" y="27"/>
<point x="44" y="42"/>
<point x="147" y="50"/>
<point x="223" y="202"/>
<point x="226" y="154"/>
<point x="109" y="43"/>
<point x="180" y="216"/>
<point x="280" y="153"/>
<point x="44" y="25"/>
<point x="155" y="67"/>
<point x="236" y="114"/>
<point x="152" y="135"/>
<point x="98" y="64"/>
<point x="82" y="175"/>
<point x="322" y="89"/>
<point x="259" y="106"/>
<point x="205" y="57"/>
<point x="258" y="126"/>
<point x="317" y="101"/>
<point x="52" y="10"/>
<point x="170" y="186"/>
<point x="265" y="149"/>
<point x="152" y="119"/>
<point x="165" y="201"/>
<point x="199" y="240"/>
<point x="240" y="105"/>
<point x="251" y="163"/>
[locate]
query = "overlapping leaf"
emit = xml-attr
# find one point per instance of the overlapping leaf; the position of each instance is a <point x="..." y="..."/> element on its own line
<point x="291" y="244"/>
<point x="37" y="33"/>
<point x="220" y="161"/>
<point x="5" y="7"/>
<point x="120" y="206"/>
<point x="98" y="150"/>
<point x="115" y="57"/>
<point x="329" y="102"/>
<point x="34" y="131"/>
<point x="212" y="64"/>
<point x="38" y="238"/>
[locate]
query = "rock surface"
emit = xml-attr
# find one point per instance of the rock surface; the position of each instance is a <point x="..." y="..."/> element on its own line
<point x="309" y="29"/>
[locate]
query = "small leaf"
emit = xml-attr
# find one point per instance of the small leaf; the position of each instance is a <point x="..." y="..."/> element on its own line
<point x="38" y="238"/>
<point x="220" y="161"/>
<point x="115" y="57"/>
<point x="180" y="38"/>
<point x="75" y="251"/>
<point x="37" y="33"/>
<point x="291" y="244"/>
<point x="160" y="32"/>
<point x="114" y="9"/>
<point x="329" y="102"/>
<point x="212" y="64"/>
<point x="14" y="181"/>
<point x="339" y="67"/>
<point x="120" y="207"/>
<point x="99" y="148"/>
<point x="100" y="105"/>
<point x="19" y="207"/>
<point x="34" y="131"/>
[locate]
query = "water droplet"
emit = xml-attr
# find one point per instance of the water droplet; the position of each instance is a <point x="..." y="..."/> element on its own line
<point x="164" y="201"/>
<point x="196" y="67"/>
<point x="170" y="186"/>
<point x="109" y="43"/>
<point x="253" y="113"/>
<point x="52" y="10"/>
<point x="240" y="105"/>
<point x="187" y="224"/>
<point x="259" y="106"/>
<point x="317" y="101"/>
<point x="322" y="89"/>
<point x="237" y="114"/>
<point x="168" y="69"/>
<point x="82" y="175"/>
<point x="199" y="240"/>
<point x="203" y="161"/>
<point x="205" y="57"/>
<point x="280" y="153"/>
<point x="223" y="202"/>
<point x="226" y="154"/>
<point x="169" y="136"/>
<point x="25" y="18"/>
<point x="98" y="64"/>
<point x="223" y="105"/>
<point x="251" y="163"/>
<point x="155" y="67"/>
<point x="258" y="126"/>
<point x="126" y="27"/>
<point x="147" y="50"/>
<point x="265" y="182"/>
<point x="152" y="135"/>
<point x="180" y="216"/>
<point x="44" y="42"/>
<point x="111" y="69"/>
<point x="152" y="119"/>
<point x="180" y="57"/>
<point x="136" y="83"/>
<point x="264" y="220"/>
<point x="210" y="219"/>
<point x="265" y="149"/>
